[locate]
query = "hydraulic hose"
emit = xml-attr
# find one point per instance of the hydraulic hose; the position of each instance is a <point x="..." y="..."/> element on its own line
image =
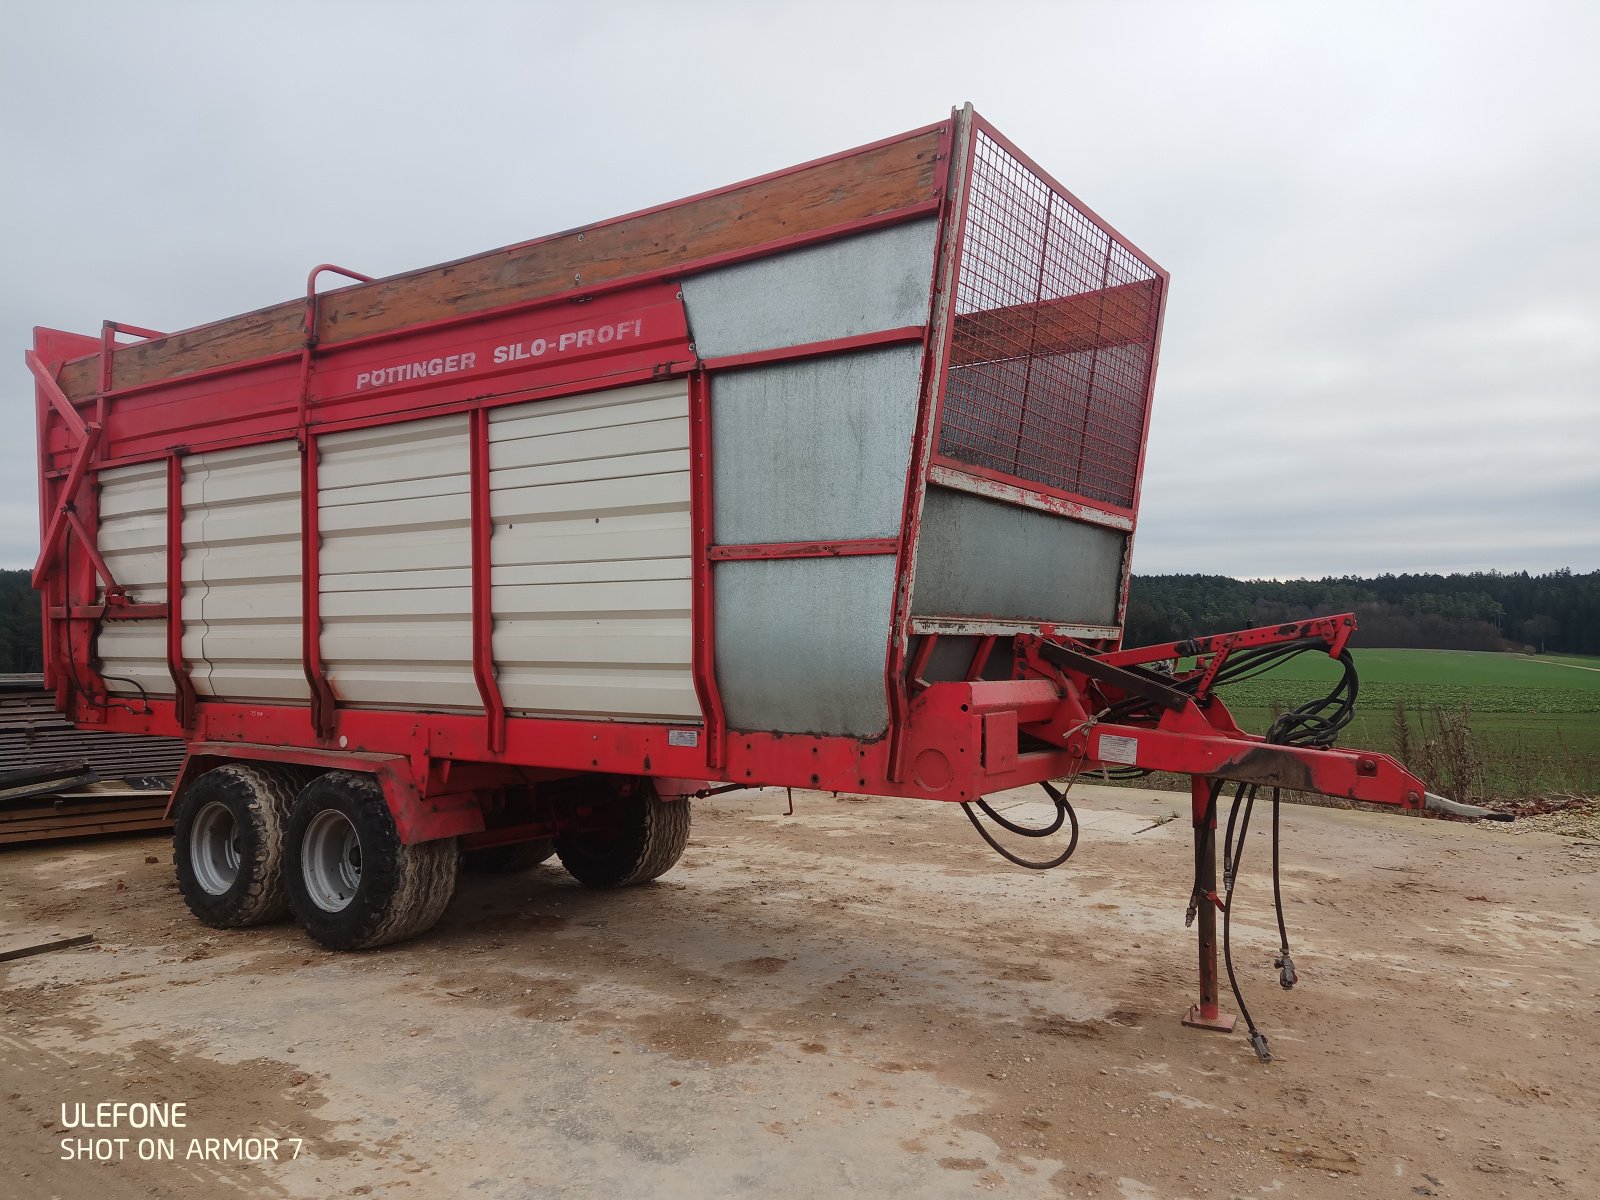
<point x="1064" y="814"/>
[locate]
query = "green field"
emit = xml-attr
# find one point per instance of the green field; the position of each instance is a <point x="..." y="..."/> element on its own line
<point x="1534" y="722"/>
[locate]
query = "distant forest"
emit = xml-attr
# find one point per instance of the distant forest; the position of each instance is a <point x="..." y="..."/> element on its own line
<point x="1556" y="613"/>
<point x="19" y="624"/>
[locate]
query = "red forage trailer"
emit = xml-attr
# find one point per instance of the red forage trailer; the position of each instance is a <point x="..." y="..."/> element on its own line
<point x="827" y="479"/>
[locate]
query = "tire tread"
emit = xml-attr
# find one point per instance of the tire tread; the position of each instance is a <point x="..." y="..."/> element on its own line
<point x="647" y="848"/>
<point x="269" y="792"/>
<point x="404" y="889"/>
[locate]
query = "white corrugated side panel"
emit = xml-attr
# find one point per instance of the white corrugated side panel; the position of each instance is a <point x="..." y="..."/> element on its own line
<point x="133" y="541"/>
<point x="590" y="501"/>
<point x="395" y="512"/>
<point x="241" y="572"/>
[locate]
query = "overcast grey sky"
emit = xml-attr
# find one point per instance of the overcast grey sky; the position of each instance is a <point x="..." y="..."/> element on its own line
<point x="1382" y="221"/>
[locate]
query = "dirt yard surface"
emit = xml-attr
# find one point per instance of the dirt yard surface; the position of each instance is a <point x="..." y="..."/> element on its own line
<point x="859" y="1000"/>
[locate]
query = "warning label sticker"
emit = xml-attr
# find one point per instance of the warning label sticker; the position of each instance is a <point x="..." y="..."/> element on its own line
<point x="1114" y="749"/>
<point x="683" y="737"/>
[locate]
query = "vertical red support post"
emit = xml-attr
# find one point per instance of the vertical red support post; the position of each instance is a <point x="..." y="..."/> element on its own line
<point x="50" y="349"/>
<point x="483" y="672"/>
<point x="919" y="661"/>
<point x="108" y="348"/>
<point x="65" y="500"/>
<point x="980" y="657"/>
<point x="182" y="685"/>
<point x="702" y="597"/>
<point x="955" y="149"/>
<point x="49" y="592"/>
<point x="1206" y="1014"/>
<point x="323" y="702"/>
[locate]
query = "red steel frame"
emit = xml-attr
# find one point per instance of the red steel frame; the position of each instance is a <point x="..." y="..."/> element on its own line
<point x="182" y="685"/>
<point x="261" y="401"/>
<point x="951" y="740"/>
<point x="955" y="150"/>
<point x="483" y="671"/>
<point x="702" y="554"/>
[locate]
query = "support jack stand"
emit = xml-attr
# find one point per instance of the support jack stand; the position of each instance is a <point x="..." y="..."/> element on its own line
<point x="1217" y="1022"/>
<point x="1206" y="1014"/>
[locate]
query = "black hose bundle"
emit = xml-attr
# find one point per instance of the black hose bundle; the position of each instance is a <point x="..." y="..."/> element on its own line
<point x="1315" y="723"/>
<point x="1064" y="814"/>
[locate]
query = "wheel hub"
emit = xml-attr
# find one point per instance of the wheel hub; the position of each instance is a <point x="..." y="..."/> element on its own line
<point x="331" y="860"/>
<point x="214" y="848"/>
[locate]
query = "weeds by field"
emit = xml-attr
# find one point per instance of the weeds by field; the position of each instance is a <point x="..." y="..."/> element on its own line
<point x="1531" y="725"/>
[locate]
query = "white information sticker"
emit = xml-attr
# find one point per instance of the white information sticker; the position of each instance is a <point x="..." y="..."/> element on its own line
<point x="1118" y="749"/>
<point x="683" y="737"/>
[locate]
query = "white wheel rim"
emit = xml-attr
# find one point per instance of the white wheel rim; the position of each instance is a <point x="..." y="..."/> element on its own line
<point x="214" y="848"/>
<point x="330" y="860"/>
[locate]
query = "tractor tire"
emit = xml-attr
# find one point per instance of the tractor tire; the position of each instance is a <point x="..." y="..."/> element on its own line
<point x="508" y="860"/>
<point x="352" y="883"/>
<point x="227" y="843"/>
<point x="647" y="841"/>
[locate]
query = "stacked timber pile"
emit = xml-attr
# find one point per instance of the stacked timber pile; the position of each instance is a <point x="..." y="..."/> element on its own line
<point x="58" y="781"/>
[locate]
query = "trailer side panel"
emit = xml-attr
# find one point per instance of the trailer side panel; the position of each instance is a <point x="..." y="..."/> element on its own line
<point x="591" y="596"/>
<point x="395" y="570"/>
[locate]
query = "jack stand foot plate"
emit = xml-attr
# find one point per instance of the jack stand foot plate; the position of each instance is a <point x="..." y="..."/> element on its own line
<point x="1221" y="1023"/>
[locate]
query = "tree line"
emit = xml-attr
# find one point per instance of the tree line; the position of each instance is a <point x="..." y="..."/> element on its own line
<point x="19" y="624"/>
<point x="1558" y="613"/>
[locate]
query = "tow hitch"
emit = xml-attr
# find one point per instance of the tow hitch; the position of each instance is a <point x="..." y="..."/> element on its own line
<point x="1128" y="713"/>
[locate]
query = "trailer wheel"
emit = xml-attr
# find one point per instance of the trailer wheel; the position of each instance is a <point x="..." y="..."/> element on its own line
<point x="352" y="883"/>
<point x="646" y="842"/>
<point x="508" y="860"/>
<point x="227" y="843"/>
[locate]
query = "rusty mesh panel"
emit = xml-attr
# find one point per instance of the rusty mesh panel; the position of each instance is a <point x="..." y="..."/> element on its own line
<point x="1055" y="332"/>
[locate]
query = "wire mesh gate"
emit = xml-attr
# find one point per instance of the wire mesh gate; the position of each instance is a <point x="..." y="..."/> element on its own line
<point x="1054" y="340"/>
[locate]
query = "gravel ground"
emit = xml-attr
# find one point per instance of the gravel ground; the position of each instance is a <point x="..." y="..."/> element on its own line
<point x="860" y="999"/>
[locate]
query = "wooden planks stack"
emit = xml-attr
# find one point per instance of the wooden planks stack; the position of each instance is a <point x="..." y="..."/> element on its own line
<point x="34" y="734"/>
<point x="87" y="811"/>
<point x="82" y="775"/>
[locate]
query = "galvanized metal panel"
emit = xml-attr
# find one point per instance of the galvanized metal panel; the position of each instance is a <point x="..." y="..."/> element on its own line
<point x="589" y="496"/>
<point x="814" y="449"/>
<point x="241" y="572"/>
<point x="395" y="565"/>
<point x="801" y="644"/>
<point x="863" y="284"/>
<point x="133" y="541"/>
<point x="982" y="558"/>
